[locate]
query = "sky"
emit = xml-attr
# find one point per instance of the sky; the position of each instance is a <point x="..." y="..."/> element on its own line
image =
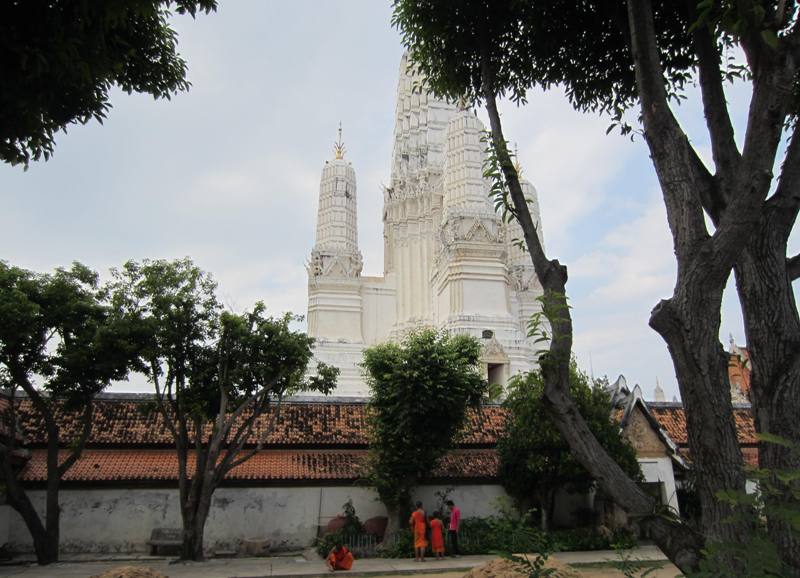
<point x="228" y="174"/>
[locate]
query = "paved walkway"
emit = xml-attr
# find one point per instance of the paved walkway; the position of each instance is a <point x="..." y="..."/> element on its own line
<point x="285" y="566"/>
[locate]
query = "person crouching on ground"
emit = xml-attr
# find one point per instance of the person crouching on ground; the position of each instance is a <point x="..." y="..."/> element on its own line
<point x="437" y="535"/>
<point x="418" y="523"/>
<point x="339" y="558"/>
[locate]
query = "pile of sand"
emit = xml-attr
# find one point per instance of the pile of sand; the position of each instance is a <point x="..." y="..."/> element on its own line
<point x="131" y="572"/>
<point x="502" y="568"/>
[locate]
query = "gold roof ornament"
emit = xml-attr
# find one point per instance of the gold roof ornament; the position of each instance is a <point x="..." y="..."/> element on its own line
<point x="517" y="166"/>
<point x="338" y="146"/>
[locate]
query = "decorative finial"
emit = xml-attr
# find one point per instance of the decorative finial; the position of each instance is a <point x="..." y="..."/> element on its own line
<point x="338" y="146"/>
<point x="517" y="166"/>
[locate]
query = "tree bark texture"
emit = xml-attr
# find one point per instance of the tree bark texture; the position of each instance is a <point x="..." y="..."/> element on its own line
<point x="681" y="544"/>
<point x="689" y="321"/>
<point x="773" y="341"/>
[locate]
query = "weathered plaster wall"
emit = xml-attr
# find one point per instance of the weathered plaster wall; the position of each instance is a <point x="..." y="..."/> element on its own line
<point x="120" y="520"/>
<point x="474" y="500"/>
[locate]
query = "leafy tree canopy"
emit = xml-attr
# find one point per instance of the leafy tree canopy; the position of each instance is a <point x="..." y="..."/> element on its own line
<point x="534" y="457"/>
<point x="57" y="332"/>
<point x="546" y="44"/>
<point x="421" y="390"/>
<point x="60" y="58"/>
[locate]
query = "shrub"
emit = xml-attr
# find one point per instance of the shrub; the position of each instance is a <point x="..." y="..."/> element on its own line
<point x="589" y="539"/>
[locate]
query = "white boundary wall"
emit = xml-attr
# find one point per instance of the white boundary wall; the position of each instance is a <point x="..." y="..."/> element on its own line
<point x="120" y="520"/>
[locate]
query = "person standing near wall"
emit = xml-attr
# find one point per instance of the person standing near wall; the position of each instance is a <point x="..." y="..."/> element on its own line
<point x="419" y="524"/>
<point x="452" y="528"/>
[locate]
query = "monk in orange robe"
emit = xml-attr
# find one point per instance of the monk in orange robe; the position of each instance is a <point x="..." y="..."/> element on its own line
<point x="418" y="523"/>
<point x="339" y="558"/>
<point x="437" y="535"/>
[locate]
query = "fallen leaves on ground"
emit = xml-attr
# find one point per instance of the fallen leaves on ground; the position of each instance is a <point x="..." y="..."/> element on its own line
<point x="131" y="572"/>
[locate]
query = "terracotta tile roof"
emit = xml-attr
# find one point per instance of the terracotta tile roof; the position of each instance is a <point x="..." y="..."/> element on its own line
<point x="154" y="465"/>
<point x="750" y="455"/>
<point x="739" y="370"/>
<point x="673" y="420"/>
<point x="300" y="424"/>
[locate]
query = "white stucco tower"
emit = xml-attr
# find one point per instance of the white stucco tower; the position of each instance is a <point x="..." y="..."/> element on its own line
<point x="449" y="260"/>
<point x="334" y="290"/>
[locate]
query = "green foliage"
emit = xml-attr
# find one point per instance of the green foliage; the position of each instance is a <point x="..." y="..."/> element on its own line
<point x="352" y="524"/>
<point x="194" y="353"/>
<point x="401" y="547"/>
<point x="59" y="60"/>
<point x="588" y="539"/>
<point x="421" y="390"/>
<point x="352" y="528"/>
<point x="523" y="45"/>
<point x="534" y="457"/>
<point x="57" y="331"/>
<point x="631" y="567"/>
<point x="777" y="497"/>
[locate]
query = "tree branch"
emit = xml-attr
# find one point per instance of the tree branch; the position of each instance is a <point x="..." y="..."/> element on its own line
<point x="720" y="129"/>
<point x="86" y="430"/>
<point x="160" y="405"/>
<point x="793" y="267"/>
<point x="225" y="468"/>
<point x="669" y="146"/>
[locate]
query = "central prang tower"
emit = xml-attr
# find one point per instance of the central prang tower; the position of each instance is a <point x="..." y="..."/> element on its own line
<point x="449" y="260"/>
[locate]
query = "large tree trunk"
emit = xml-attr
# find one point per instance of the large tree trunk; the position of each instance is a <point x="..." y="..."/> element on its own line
<point x="689" y="323"/>
<point x="44" y="546"/>
<point x="194" y="512"/>
<point x="682" y="545"/>
<point x="773" y="340"/>
<point x="395" y="523"/>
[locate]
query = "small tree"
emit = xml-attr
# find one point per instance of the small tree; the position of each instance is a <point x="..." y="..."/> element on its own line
<point x="217" y="376"/>
<point x="535" y="460"/>
<point x="421" y="390"/>
<point x="60" y="344"/>
<point x="58" y="61"/>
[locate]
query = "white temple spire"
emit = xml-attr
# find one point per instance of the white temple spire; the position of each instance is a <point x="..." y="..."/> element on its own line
<point x="335" y="252"/>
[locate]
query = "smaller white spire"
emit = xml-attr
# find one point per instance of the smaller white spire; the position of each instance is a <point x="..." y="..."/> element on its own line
<point x="658" y="393"/>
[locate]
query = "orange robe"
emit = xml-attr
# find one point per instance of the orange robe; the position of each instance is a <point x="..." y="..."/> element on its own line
<point x="418" y="519"/>
<point x="437" y="537"/>
<point x="341" y="560"/>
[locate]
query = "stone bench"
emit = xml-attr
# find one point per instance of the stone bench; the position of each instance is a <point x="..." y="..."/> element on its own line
<point x="165" y="538"/>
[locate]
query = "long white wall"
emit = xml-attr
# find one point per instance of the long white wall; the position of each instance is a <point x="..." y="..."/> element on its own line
<point x="120" y="520"/>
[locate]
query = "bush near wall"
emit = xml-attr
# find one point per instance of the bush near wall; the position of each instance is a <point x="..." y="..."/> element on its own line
<point x="486" y="536"/>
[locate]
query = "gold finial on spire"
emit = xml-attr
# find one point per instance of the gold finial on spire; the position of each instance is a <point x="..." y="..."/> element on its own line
<point x="338" y="146"/>
<point x="517" y="166"/>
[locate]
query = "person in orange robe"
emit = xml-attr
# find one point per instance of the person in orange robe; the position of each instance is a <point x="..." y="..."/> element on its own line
<point x="437" y="535"/>
<point x="418" y="523"/>
<point x="339" y="558"/>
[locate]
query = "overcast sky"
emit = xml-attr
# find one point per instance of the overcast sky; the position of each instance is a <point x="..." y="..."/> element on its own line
<point x="228" y="174"/>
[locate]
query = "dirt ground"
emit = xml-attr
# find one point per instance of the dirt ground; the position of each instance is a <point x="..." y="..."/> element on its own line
<point x="130" y="572"/>
<point x="506" y="569"/>
<point x="495" y="569"/>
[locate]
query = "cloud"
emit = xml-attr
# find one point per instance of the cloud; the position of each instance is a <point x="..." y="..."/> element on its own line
<point x="633" y="261"/>
<point x="568" y="157"/>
